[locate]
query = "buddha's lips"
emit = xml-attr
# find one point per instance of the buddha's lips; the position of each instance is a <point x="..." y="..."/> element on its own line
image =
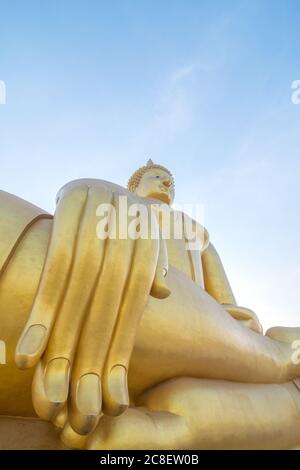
<point x="165" y="189"/>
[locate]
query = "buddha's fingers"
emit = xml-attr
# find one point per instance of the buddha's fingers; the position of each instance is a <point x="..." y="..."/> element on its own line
<point x="88" y="257"/>
<point x="142" y="274"/>
<point x="45" y="409"/>
<point x="86" y="384"/>
<point x="34" y="337"/>
<point x="115" y="388"/>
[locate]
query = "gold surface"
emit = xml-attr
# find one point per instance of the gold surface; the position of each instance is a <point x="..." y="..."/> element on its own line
<point x="120" y="356"/>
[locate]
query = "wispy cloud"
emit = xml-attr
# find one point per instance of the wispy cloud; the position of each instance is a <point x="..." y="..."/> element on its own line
<point x="183" y="72"/>
<point x="171" y="112"/>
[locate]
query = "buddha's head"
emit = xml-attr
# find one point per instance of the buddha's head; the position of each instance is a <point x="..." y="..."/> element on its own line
<point x="153" y="181"/>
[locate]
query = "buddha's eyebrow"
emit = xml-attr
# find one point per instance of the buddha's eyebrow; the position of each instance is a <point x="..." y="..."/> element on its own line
<point x="157" y="173"/>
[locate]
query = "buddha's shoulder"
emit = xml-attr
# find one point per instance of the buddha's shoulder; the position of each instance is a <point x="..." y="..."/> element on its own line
<point x="89" y="183"/>
<point x="16" y="215"/>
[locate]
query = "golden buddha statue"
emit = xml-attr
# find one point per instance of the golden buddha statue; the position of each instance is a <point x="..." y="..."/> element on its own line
<point x="132" y="342"/>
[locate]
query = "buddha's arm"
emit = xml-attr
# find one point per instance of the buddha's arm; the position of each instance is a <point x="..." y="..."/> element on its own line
<point x="217" y="285"/>
<point x="215" y="278"/>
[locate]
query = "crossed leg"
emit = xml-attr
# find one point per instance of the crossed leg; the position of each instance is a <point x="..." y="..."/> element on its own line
<point x="190" y="335"/>
<point x="203" y="414"/>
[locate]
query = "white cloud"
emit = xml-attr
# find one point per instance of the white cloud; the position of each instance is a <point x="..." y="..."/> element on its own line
<point x="183" y="72"/>
<point x="171" y="113"/>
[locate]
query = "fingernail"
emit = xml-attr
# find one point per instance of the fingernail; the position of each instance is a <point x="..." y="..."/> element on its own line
<point x="56" y="380"/>
<point x="71" y="438"/>
<point x="30" y="344"/>
<point x="160" y="289"/>
<point x="60" y="420"/>
<point x="89" y="395"/>
<point x="118" y="387"/>
<point x="86" y="409"/>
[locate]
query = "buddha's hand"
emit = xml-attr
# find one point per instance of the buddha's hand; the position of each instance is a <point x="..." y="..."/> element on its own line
<point x="92" y="293"/>
<point x="245" y="316"/>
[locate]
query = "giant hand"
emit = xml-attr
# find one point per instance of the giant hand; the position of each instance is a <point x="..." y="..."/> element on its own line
<point x="91" y="295"/>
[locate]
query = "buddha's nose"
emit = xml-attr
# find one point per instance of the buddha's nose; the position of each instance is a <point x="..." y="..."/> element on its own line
<point x="167" y="183"/>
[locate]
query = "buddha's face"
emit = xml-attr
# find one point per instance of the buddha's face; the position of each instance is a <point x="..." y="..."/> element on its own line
<point x="157" y="184"/>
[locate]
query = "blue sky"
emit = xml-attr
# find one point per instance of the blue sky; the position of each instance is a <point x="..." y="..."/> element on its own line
<point x="95" y="88"/>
